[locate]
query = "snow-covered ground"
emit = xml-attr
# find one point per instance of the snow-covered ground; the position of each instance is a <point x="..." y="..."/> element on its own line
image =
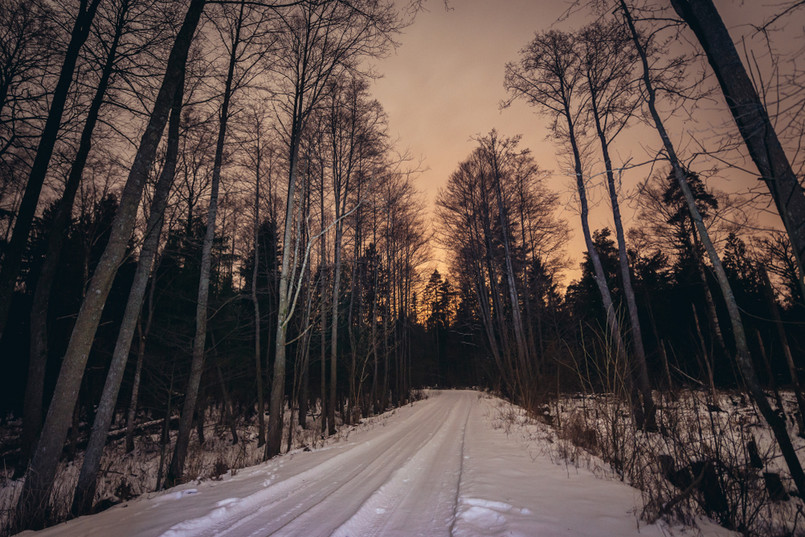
<point x="446" y="465"/>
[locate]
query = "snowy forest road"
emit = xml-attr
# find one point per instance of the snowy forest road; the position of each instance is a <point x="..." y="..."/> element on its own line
<point x="453" y="464"/>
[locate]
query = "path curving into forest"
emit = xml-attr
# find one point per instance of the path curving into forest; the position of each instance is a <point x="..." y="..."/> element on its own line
<point x="447" y="465"/>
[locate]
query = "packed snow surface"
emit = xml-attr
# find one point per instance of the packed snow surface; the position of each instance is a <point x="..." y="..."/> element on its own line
<point x="437" y="467"/>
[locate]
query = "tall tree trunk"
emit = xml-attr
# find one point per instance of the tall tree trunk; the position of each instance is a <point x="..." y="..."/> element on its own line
<point x="752" y="119"/>
<point x="31" y="507"/>
<point x="742" y="355"/>
<point x="323" y="307"/>
<point x="789" y="359"/>
<point x="164" y="441"/>
<point x="639" y="369"/>
<point x="255" y="272"/>
<point x="276" y="403"/>
<point x="12" y="257"/>
<point x="705" y="358"/>
<point x="522" y="350"/>
<point x="229" y="409"/>
<point x="708" y="295"/>
<point x="200" y="340"/>
<point x="496" y="312"/>
<point x="85" y="489"/>
<point x="32" y="420"/>
<point x="334" y="321"/>
<point x="598" y="271"/>
<point x="304" y="389"/>
<point x="131" y="415"/>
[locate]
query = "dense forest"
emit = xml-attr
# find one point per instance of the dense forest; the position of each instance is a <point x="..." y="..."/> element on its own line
<point x="204" y="219"/>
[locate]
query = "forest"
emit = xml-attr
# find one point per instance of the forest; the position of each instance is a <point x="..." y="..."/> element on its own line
<point x="212" y="248"/>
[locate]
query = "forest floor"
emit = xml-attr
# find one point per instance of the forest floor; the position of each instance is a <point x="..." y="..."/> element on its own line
<point x="459" y="463"/>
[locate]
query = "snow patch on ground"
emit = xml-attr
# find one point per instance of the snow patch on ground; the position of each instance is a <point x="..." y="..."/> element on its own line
<point x="441" y="467"/>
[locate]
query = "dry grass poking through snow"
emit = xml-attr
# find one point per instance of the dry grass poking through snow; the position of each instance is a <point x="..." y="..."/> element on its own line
<point x="708" y="460"/>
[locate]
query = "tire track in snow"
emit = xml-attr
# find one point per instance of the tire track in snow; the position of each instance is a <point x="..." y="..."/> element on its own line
<point x="356" y="491"/>
<point x="254" y="514"/>
<point x="417" y="487"/>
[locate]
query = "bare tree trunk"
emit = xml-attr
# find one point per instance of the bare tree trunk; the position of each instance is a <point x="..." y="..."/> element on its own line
<point x="199" y="341"/>
<point x="41" y="472"/>
<point x="708" y="296"/>
<point x="255" y="271"/>
<point x="742" y="350"/>
<point x="641" y="373"/>
<point x="334" y="321"/>
<point x="12" y="256"/>
<point x="275" y="412"/>
<point x="304" y="390"/>
<point x="752" y="119"/>
<point x="164" y="440"/>
<point x="34" y="388"/>
<point x="517" y="322"/>
<point x="131" y="415"/>
<point x="598" y="270"/>
<point x="229" y="411"/>
<point x="770" y="373"/>
<point x="789" y="359"/>
<point x="705" y="358"/>
<point x="323" y="306"/>
<point x="85" y="489"/>
<point x="375" y="276"/>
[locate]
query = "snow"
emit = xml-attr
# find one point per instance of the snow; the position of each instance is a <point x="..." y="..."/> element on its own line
<point x="442" y="466"/>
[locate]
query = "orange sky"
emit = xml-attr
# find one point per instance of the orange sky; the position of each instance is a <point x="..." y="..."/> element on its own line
<point x="444" y="85"/>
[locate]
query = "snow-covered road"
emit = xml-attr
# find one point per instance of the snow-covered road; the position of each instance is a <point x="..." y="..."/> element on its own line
<point x="434" y="468"/>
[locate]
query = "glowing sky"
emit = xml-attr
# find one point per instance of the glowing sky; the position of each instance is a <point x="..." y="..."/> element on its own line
<point x="445" y="83"/>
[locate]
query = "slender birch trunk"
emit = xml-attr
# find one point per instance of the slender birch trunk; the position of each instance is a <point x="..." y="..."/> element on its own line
<point x="32" y="418"/>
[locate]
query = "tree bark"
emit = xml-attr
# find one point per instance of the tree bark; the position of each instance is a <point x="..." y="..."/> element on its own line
<point x="32" y="420"/>
<point x="261" y="410"/>
<point x="598" y="271"/>
<point x="641" y="373"/>
<point x="276" y="403"/>
<point x="524" y="358"/>
<point x="131" y="415"/>
<point x="789" y="359"/>
<point x="323" y="311"/>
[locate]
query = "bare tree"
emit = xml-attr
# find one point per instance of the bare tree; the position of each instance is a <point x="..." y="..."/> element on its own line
<point x="321" y="40"/>
<point x="39" y="308"/>
<point x="607" y="66"/>
<point x="548" y="76"/>
<point x="25" y="55"/>
<point x="85" y="489"/>
<point x="237" y="34"/>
